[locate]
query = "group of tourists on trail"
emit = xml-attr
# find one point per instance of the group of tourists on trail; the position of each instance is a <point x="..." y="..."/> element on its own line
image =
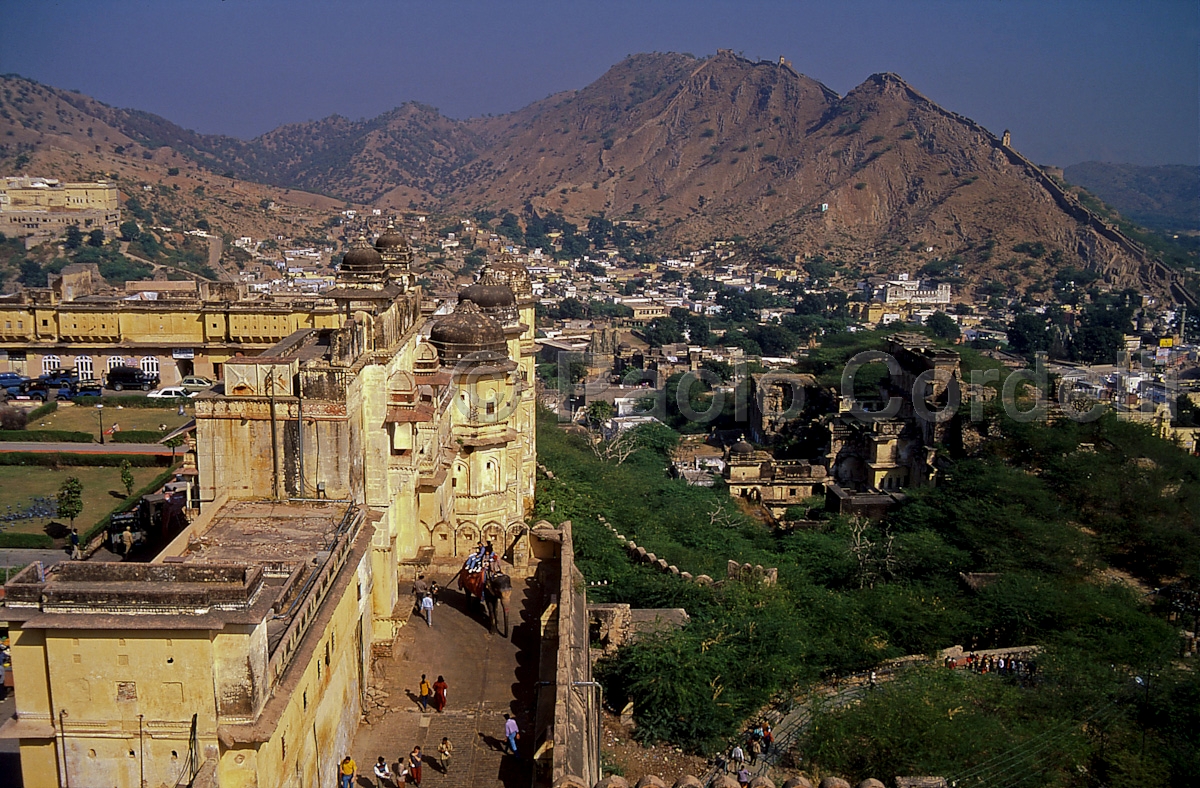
<point x="758" y="743"/>
<point x="407" y="771"/>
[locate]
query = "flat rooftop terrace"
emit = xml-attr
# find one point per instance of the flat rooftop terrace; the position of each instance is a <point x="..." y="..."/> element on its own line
<point x="268" y="532"/>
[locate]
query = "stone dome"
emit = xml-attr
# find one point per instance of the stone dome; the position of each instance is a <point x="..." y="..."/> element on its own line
<point x="741" y="447"/>
<point x="362" y="260"/>
<point x="834" y="782"/>
<point x="390" y="239"/>
<point x="467" y="331"/>
<point x="798" y="782"/>
<point x="487" y="296"/>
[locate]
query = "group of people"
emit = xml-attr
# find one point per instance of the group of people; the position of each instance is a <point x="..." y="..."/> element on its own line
<point x="758" y="743"/>
<point x="432" y="694"/>
<point x="1004" y="664"/>
<point x="407" y="771"/>
<point x="484" y="559"/>
<point x="425" y="593"/>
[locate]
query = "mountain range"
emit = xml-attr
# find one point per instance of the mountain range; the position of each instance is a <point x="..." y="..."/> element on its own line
<point x="1165" y="197"/>
<point x="696" y="149"/>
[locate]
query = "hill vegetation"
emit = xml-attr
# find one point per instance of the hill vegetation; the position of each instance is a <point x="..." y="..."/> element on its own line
<point x="1077" y="521"/>
<point x="1163" y="198"/>
<point x="684" y="149"/>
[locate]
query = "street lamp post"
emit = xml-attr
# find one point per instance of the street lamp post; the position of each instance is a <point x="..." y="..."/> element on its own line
<point x="100" y="419"/>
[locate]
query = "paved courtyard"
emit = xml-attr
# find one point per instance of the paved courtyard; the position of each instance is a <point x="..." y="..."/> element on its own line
<point x="487" y="676"/>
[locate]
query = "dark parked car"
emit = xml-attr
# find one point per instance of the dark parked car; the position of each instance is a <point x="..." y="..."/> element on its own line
<point x="31" y="389"/>
<point x="8" y="379"/>
<point x="83" y="388"/>
<point x="121" y="378"/>
<point x="60" y="378"/>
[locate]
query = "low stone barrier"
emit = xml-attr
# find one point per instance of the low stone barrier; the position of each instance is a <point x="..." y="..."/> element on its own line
<point x="734" y="571"/>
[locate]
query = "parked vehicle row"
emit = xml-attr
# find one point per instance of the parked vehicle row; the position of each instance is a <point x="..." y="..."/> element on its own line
<point x="66" y="385"/>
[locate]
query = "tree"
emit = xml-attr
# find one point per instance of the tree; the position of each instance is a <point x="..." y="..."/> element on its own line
<point x="174" y="442"/>
<point x="70" y="499"/>
<point x="662" y="331"/>
<point x="129" y="230"/>
<point x="943" y="326"/>
<point x="1028" y="334"/>
<point x="600" y="411"/>
<point x="32" y="274"/>
<point x="127" y="477"/>
<point x="74" y="237"/>
<point x="616" y="450"/>
<point x="96" y="238"/>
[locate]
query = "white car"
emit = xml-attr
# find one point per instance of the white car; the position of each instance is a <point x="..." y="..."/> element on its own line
<point x="172" y="392"/>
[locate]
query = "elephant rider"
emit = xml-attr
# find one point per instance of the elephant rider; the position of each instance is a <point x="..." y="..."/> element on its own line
<point x="475" y="560"/>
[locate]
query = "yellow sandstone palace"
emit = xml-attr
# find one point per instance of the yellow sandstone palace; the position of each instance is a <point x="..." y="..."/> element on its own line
<point x="379" y="435"/>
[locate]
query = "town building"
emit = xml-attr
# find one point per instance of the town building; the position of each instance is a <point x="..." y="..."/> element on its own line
<point x="774" y="484"/>
<point x="47" y="207"/>
<point x="172" y="329"/>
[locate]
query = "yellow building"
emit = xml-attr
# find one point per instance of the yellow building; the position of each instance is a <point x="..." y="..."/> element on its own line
<point x="333" y="459"/>
<point x="173" y="331"/>
<point x="45" y="206"/>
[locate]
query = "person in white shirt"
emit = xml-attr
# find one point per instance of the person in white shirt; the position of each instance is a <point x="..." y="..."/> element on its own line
<point x="382" y="772"/>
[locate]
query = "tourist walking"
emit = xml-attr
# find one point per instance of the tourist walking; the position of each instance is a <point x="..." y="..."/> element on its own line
<point x="425" y="693"/>
<point x="768" y="738"/>
<point x="511" y="732"/>
<point x="383" y="772"/>
<point x="439" y="694"/>
<point x="445" y="750"/>
<point x="743" y="776"/>
<point x="347" y="772"/>
<point x="127" y="540"/>
<point x="414" y="766"/>
<point x="755" y="750"/>
<point x="427" y="609"/>
<point x="76" y="554"/>
<point x="737" y="757"/>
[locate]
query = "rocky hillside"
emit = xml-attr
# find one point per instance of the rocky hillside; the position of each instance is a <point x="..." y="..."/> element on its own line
<point x="63" y="134"/>
<point x="881" y="179"/>
<point x="1162" y="198"/>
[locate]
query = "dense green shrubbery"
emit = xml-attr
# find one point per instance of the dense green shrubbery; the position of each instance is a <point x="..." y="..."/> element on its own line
<point x="1032" y="507"/>
<point x="44" y="409"/>
<point x="132" y="401"/>
<point x="58" y="459"/>
<point x="47" y="436"/>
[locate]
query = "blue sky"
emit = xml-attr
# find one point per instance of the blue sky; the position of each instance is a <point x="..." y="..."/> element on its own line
<point x="1074" y="80"/>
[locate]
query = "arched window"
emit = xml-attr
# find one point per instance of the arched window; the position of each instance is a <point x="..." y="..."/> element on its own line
<point x="50" y="364"/>
<point x="114" y="362"/>
<point x="83" y="366"/>
<point x="150" y="365"/>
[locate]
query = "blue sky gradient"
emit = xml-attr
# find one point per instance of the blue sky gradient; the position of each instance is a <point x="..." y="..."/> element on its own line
<point x="1073" y="79"/>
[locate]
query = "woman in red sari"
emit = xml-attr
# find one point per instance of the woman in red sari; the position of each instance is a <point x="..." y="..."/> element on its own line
<point x="439" y="693"/>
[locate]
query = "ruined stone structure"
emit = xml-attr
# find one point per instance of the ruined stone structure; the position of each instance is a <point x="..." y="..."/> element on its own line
<point x="775" y="484"/>
<point x="869" y="452"/>
<point x="777" y="398"/>
<point x="331" y="461"/>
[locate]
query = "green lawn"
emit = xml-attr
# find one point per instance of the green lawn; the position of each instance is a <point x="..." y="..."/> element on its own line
<point x="84" y="419"/>
<point x="19" y="485"/>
